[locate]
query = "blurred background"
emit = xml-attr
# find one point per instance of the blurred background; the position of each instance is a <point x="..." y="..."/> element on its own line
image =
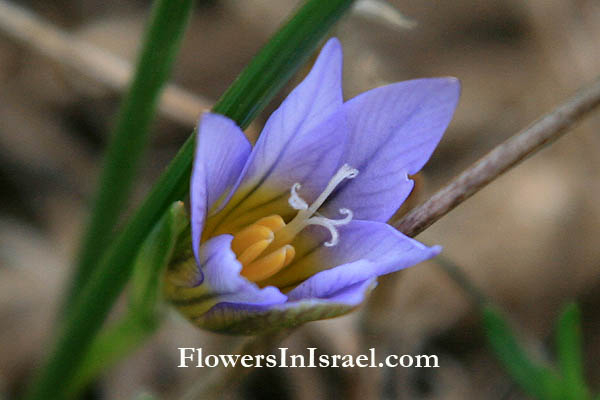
<point x="529" y="241"/>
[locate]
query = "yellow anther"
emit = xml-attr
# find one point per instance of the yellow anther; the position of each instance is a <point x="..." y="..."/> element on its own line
<point x="250" y="235"/>
<point x="273" y="222"/>
<point x="270" y="264"/>
<point x="272" y="236"/>
<point x="289" y="254"/>
<point x="251" y="242"/>
<point x="253" y="251"/>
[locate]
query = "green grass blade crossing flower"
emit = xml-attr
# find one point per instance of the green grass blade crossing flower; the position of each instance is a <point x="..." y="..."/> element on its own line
<point x="163" y="35"/>
<point x="248" y="95"/>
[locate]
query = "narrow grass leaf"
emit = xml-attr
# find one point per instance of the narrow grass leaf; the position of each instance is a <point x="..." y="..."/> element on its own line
<point x="536" y="380"/>
<point x="163" y="35"/>
<point x="568" y="347"/>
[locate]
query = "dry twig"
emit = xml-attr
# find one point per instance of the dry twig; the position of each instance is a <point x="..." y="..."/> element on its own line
<point x="91" y="61"/>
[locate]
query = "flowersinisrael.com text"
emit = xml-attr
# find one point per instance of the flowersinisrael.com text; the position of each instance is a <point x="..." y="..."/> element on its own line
<point x="195" y="357"/>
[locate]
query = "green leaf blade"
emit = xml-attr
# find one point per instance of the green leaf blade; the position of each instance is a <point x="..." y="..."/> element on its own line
<point x="536" y="380"/>
<point x="267" y="73"/>
<point x="143" y="316"/>
<point x="130" y="135"/>
<point x="570" y="359"/>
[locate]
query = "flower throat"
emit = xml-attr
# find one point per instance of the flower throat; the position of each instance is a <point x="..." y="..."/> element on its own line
<point x="264" y="248"/>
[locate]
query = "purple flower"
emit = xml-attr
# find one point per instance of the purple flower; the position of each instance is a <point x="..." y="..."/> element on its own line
<point x="294" y="229"/>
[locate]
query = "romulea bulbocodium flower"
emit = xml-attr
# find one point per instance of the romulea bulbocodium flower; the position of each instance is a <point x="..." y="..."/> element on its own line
<point x="294" y="229"/>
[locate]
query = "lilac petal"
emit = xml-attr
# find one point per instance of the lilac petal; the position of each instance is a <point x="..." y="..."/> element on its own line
<point x="301" y="142"/>
<point x="330" y="282"/>
<point x="354" y="294"/>
<point x="366" y="249"/>
<point x="252" y="319"/>
<point x="393" y="132"/>
<point x="221" y="153"/>
<point x="222" y="282"/>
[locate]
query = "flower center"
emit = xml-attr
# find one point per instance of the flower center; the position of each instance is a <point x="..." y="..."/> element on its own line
<point x="272" y="237"/>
